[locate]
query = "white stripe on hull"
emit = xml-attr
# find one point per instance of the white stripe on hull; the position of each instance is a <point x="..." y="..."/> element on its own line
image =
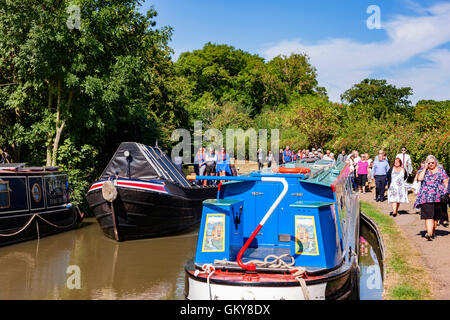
<point x="139" y="185"/>
<point x="198" y="290"/>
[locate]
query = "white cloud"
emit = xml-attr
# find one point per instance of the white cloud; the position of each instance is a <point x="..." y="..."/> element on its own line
<point x="430" y="80"/>
<point x="343" y="62"/>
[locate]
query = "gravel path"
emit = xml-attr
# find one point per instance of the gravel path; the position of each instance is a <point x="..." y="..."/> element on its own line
<point x="434" y="254"/>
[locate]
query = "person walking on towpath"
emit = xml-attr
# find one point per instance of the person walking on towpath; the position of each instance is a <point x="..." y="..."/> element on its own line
<point x="269" y="159"/>
<point x="280" y="157"/>
<point x="379" y="172"/>
<point x="397" y="190"/>
<point x="406" y="161"/>
<point x="342" y="157"/>
<point x="434" y="184"/>
<point x="261" y="158"/>
<point x="361" y="173"/>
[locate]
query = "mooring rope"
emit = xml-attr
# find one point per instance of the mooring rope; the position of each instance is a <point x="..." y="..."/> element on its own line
<point x="20" y="230"/>
<point x="43" y="219"/>
<point x="209" y="269"/>
<point x="277" y="263"/>
<point x="59" y="227"/>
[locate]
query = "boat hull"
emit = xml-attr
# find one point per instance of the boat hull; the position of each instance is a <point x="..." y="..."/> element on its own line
<point x="16" y="228"/>
<point x="338" y="284"/>
<point x="140" y="214"/>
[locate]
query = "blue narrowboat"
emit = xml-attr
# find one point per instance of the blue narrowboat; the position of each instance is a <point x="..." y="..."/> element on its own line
<point x="291" y="232"/>
<point x="34" y="202"/>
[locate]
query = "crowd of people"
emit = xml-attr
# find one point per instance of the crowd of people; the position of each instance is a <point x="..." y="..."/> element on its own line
<point x="430" y="184"/>
<point x="287" y="155"/>
<point x="217" y="163"/>
<point x="212" y="163"/>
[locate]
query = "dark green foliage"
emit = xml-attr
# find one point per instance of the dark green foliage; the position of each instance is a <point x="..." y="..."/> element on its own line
<point x="69" y="96"/>
<point x="379" y="97"/>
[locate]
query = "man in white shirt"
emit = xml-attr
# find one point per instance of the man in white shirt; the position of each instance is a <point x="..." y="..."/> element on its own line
<point x="406" y="160"/>
<point x="327" y="156"/>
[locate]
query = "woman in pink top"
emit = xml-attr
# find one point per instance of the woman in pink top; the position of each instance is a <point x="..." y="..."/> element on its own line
<point x="361" y="173"/>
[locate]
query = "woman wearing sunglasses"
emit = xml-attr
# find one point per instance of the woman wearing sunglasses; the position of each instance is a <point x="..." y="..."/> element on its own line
<point x="434" y="183"/>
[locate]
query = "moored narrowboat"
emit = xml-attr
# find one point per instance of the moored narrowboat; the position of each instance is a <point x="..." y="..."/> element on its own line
<point x="290" y="232"/>
<point x="34" y="203"/>
<point x="142" y="194"/>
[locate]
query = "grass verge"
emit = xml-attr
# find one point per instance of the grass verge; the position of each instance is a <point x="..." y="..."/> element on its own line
<point x="406" y="279"/>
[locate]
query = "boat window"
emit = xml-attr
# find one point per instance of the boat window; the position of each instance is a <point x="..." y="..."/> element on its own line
<point x="4" y="195"/>
<point x="56" y="189"/>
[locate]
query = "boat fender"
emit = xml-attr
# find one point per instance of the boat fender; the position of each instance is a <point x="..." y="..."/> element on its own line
<point x="109" y="191"/>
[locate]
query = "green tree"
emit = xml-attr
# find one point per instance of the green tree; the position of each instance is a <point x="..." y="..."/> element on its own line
<point x="432" y="114"/>
<point x="114" y="63"/>
<point x="226" y="73"/>
<point x="315" y="118"/>
<point x="379" y="97"/>
<point x="287" y="76"/>
<point x="70" y="93"/>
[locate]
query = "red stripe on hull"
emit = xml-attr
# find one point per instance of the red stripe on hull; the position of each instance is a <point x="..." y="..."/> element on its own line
<point x="132" y="184"/>
<point x="141" y="185"/>
<point x="233" y="276"/>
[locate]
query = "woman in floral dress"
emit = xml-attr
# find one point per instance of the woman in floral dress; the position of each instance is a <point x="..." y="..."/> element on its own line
<point x="434" y="183"/>
<point x="397" y="190"/>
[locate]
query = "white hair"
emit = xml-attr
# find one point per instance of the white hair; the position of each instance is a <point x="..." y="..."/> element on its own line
<point x="434" y="158"/>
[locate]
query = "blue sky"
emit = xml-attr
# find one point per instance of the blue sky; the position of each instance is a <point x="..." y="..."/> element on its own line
<point x="412" y="47"/>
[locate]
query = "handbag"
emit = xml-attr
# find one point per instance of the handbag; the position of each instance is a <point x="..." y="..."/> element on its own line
<point x="416" y="186"/>
<point x="445" y="198"/>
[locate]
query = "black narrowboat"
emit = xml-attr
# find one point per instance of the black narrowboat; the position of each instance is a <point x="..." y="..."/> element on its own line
<point x="142" y="194"/>
<point x="34" y="203"/>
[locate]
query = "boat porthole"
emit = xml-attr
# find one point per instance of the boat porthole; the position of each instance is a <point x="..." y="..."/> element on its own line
<point x="36" y="192"/>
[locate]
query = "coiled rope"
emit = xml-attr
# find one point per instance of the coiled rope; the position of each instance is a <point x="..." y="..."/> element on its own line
<point x="277" y="263"/>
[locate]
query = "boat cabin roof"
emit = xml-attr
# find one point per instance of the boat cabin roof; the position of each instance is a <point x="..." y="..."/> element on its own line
<point x="17" y="168"/>
<point x="322" y="172"/>
<point x="138" y="161"/>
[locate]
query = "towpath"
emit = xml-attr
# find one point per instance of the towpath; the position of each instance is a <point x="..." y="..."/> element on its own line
<point x="434" y="254"/>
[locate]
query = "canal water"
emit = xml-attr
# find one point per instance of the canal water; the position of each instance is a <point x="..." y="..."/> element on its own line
<point x="370" y="265"/>
<point x="143" y="269"/>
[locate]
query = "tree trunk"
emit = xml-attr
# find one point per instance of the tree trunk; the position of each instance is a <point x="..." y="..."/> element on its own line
<point x="49" y="151"/>
<point x="56" y="142"/>
<point x="49" y="137"/>
<point x="52" y="148"/>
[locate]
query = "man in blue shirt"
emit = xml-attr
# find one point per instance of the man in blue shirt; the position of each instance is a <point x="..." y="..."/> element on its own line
<point x="287" y="155"/>
<point x="379" y="172"/>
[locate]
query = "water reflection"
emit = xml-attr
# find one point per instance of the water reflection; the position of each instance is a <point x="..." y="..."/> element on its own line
<point x="150" y="269"/>
<point x="371" y="280"/>
<point x="144" y="269"/>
